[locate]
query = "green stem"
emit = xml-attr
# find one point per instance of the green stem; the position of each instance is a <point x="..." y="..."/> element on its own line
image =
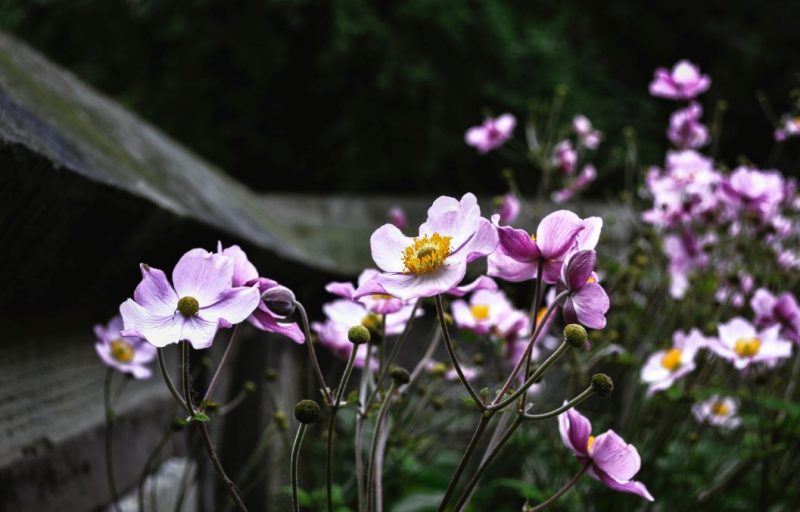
<point x="312" y="355"/>
<point x="473" y="443"/>
<point x="298" y="440"/>
<point x="112" y="483"/>
<point x="213" y="384"/>
<point x="549" y="501"/>
<point x="384" y="369"/>
<point x="151" y="459"/>
<point x="168" y="380"/>
<point x="384" y="410"/>
<point x="448" y="343"/>
<point x="537" y="294"/>
<point x="533" y="378"/>
<point x="348" y="370"/>
<point x="586" y="393"/>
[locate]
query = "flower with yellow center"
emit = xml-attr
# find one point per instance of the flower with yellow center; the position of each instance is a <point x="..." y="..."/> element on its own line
<point x="672" y="359"/>
<point x="720" y="409"/>
<point x="590" y="443"/>
<point x="426" y="254"/>
<point x="747" y="347"/>
<point x="480" y="311"/>
<point x="121" y="351"/>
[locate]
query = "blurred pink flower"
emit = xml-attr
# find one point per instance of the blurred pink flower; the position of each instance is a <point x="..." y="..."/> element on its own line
<point x="565" y="157"/>
<point x="780" y="310"/>
<point x="684" y="82"/>
<point x="128" y="354"/>
<point x="492" y="134"/>
<point x="685" y="129"/>
<point x="740" y="343"/>
<point x="380" y="303"/>
<point x="664" y="367"/>
<point x="587" y="135"/>
<point x="397" y="216"/>
<point x="484" y="313"/>
<point x="587" y="175"/>
<point x="509" y="208"/>
<point x="718" y="411"/>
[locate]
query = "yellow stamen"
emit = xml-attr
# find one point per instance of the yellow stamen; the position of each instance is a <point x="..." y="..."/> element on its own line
<point x="381" y="296"/>
<point x="426" y="254"/>
<point x="480" y="311"/>
<point x="540" y="315"/>
<point x="590" y="443"/>
<point x="672" y="359"/>
<point x="371" y="321"/>
<point x="747" y="347"/>
<point x="720" y="409"/>
<point x="121" y="351"/>
<point x="590" y="280"/>
<point x="533" y="237"/>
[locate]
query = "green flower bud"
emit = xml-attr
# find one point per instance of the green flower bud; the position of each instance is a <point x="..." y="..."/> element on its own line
<point x="358" y="335"/>
<point x="399" y="375"/>
<point x="280" y="420"/>
<point x="249" y="387"/>
<point x="270" y="375"/>
<point x="602" y="384"/>
<point x="439" y="370"/>
<point x="307" y="411"/>
<point x="575" y="335"/>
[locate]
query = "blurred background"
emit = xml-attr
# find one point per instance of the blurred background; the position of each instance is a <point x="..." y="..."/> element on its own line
<point x="374" y="97"/>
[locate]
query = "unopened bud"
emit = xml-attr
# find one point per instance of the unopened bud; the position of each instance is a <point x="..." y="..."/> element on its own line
<point x="358" y="335"/>
<point x="307" y="411"/>
<point x="270" y="375"/>
<point x="575" y="335"/>
<point x="399" y="375"/>
<point x="279" y="300"/>
<point x="249" y="387"/>
<point x="438" y="369"/>
<point x="602" y="384"/>
<point x="280" y="420"/>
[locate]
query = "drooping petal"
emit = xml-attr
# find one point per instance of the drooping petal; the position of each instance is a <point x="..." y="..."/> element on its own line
<point x="590" y="235"/>
<point x="615" y="457"/>
<point x="203" y="275"/>
<point x="588" y="307"/>
<point x="234" y="306"/>
<point x="630" y="487"/>
<point x="158" y="330"/>
<point x="507" y="268"/>
<point x="199" y="332"/>
<point x="266" y="322"/>
<point x="154" y="291"/>
<point x="387" y="244"/>
<point x="517" y="244"/>
<point x="481" y="283"/>
<point x="342" y="289"/>
<point x="575" y="430"/>
<point x="557" y="233"/>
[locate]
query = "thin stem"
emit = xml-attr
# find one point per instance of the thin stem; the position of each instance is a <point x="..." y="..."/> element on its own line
<point x="448" y="343"/>
<point x="533" y="378"/>
<point x="213" y="384"/>
<point x="549" y="501"/>
<point x="361" y="415"/>
<point x="112" y="483"/>
<point x="312" y="355"/>
<point x="151" y="459"/>
<point x="384" y="369"/>
<point x="586" y="393"/>
<point x="384" y="410"/>
<point x="487" y="460"/>
<point x="167" y="380"/>
<point x="437" y="335"/>
<point x="473" y="443"/>
<point x="209" y="444"/>
<point x="298" y="440"/>
<point x="529" y="348"/>
<point x="379" y="455"/>
<point x="332" y="423"/>
<point x="537" y="294"/>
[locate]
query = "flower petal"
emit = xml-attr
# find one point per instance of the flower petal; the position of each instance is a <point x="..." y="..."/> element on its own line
<point x="481" y="283"/>
<point x="575" y="430"/>
<point x="517" y="244"/>
<point x="244" y="272"/>
<point x="631" y="486"/>
<point x="615" y="457"/>
<point x="483" y="242"/>
<point x="387" y="244"/>
<point x="557" y="233"/>
<point x="505" y="267"/>
<point x="342" y="289"/>
<point x="234" y="307"/>
<point x="589" y="305"/>
<point x="203" y="275"/>
<point x="410" y="286"/>
<point x="154" y="291"/>
<point x="578" y="269"/>
<point x="199" y="332"/>
<point x="158" y="330"/>
<point x="266" y="322"/>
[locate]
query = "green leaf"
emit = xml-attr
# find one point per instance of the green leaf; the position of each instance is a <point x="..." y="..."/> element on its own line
<point x="199" y="417"/>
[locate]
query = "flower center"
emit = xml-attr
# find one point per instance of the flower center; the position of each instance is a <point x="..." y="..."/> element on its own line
<point x="381" y="296"/>
<point x="480" y="311"/>
<point x="540" y="315"/>
<point x="121" y="351"/>
<point x="371" y="321"/>
<point x="426" y="254"/>
<point x="590" y="280"/>
<point x="188" y="306"/>
<point x="747" y="347"/>
<point x="720" y="409"/>
<point x="590" y="443"/>
<point x="672" y="359"/>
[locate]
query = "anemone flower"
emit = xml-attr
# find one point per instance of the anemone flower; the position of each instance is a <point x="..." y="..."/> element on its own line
<point x="202" y="300"/>
<point x="611" y="460"/>
<point x="719" y="411"/>
<point x="492" y="134"/>
<point x="683" y="82"/>
<point x="666" y="366"/>
<point x="128" y="354"/>
<point x="742" y="344"/>
<point x="782" y="309"/>
<point x="586" y="302"/>
<point x="379" y="303"/>
<point x="436" y="260"/>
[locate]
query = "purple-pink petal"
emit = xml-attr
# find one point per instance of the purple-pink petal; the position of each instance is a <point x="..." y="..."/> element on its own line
<point x="234" y="306"/>
<point x="630" y="487"/>
<point x="203" y="275"/>
<point x="557" y="233"/>
<point x="267" y="322"/>
<point x="158" y="330"/>
<point x="387" y="244"/>
<point x="587" y="307"/>
<point x="578" y="269"/>
<point x="517" y="244"/>
<point x="154" y="291"/>
<point x="575" y="430"/>
<point x="615" y="457"/>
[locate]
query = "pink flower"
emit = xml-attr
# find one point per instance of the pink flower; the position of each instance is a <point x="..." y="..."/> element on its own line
<point x="587" y="175"/>
<point x="343" y="314"/>
<point x="755" y="191"/>
<point x="559" y="234"/>
<point x="509" y="208"/>
<point x="685" y="129"/>
<point x="664" y="367"/>
<point x="264" y="318"/>
<point x="687" y="254"/>
<point x="782" y="310"/>
<point x="587" y="302"/>
<point x="481" y="283"/>
<point x="587" y="135"/>
<point x="202" y="300"/>
<point x="380" y="303"/>
<point x="128" y="354"/>
<point x="492" y="134"/>
<point x="565" y="157"/>
<point x="435" y="261"/>
<point x="790" y="127"/>
<point x="740" y="343"/>
<point x="611" y="460"/>
<point x="486" y="311"/>
<point x="719" y="411"/>
<point x="684" y="82"/>
<point x="397" y="216"/>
